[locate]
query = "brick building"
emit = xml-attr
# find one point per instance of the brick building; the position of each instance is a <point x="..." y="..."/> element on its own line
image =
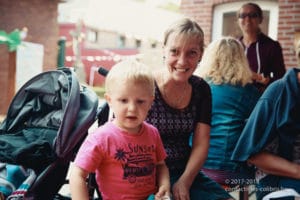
<point x="40" y="17"/>
<point x="97" y="48"/>
<point x="217" y="17"/>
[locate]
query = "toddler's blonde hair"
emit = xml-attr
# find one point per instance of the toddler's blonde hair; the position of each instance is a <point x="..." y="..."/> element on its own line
<point x="129" y="70"/>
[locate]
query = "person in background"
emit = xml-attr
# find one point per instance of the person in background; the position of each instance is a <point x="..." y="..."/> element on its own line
<point x="271" y="138"/>
<point x="182" y="105"/>
<point x="225" y="67"/>
<point x="126" y="153"/>
<point x="264" y="54"/>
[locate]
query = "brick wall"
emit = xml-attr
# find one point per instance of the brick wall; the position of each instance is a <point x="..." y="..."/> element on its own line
<point x="288" y="22"/>
<point x="288" y="25"/>
<point x="40" y="17"/>
<point x="6" y="87"/>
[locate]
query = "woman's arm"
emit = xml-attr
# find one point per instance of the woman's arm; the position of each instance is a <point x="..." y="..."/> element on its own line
<point x="78" y="186"/>
<point x="276" y="165"/>
<point x="163" y="180"/>
<point x="197" y="158"/>
<point x="199" y="151"/>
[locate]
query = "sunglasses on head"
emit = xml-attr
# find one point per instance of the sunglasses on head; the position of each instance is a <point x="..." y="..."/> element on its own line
<point x="250" y="15"/>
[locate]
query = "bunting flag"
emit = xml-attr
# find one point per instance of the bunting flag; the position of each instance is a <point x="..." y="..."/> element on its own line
<point x="12" y="40"/>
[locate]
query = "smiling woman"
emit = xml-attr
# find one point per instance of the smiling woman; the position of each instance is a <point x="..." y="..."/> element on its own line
<point x="182" y="105"/>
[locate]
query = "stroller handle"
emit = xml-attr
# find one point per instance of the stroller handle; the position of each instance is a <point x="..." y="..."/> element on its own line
<point x="102" y="71"/>
<point x="103" y="111"/>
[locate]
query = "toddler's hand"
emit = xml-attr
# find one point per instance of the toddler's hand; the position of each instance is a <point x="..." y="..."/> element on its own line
<point x="163" y="194"/>
<point x="166" y="197"/>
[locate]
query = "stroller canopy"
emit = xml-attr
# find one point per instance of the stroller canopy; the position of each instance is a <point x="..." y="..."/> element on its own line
<point x="47" y="118"/>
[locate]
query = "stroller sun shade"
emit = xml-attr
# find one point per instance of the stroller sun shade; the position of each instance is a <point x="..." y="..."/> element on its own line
<point x="46" y="119"/>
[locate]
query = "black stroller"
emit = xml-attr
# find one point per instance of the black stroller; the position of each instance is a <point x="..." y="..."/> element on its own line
<point x="46" y="123"/>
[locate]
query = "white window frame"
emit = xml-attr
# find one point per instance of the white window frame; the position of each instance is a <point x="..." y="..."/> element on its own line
<point x="221" y="9"/>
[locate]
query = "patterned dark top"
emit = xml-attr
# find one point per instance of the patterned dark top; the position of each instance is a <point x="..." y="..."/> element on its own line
<point x="176" y="125"/>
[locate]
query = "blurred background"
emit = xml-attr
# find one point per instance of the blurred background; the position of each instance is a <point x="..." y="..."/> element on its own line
<point x="41" y="35"/>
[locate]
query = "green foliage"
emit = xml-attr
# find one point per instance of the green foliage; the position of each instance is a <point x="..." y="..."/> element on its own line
<point x="12" y="40"/>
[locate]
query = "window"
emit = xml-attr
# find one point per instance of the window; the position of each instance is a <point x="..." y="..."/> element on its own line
<point x="91" y="36"/>
<point x="153" y="45"/>
<point x="138" y="43"/>
<point x="122" y="41"/>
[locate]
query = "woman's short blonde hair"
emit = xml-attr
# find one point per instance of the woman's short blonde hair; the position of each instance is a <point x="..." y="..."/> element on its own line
<point x="224" y="62"/>
<point x="129" y="70"/>
<point x="185" y="27"/>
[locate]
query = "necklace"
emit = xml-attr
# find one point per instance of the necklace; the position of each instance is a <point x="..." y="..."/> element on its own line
<point x="175" y="96"/>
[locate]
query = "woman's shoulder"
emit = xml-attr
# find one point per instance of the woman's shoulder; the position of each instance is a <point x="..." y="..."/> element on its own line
<point x="248" y="91"/>
<point x="197" y="80"/>
<point x="267" y="40"/>
<point x="250" y="88"/>
<point x="199" y="83"/>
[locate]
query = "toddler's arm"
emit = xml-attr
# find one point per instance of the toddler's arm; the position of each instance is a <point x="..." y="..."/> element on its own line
<point x="78" y="186"/>
<point x="163" y="181"/>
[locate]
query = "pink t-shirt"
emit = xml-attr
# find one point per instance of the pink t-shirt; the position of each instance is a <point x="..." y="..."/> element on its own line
<point x="125" y="165"/>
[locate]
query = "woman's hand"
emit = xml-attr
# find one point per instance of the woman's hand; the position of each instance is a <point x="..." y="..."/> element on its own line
<point x="259" y="78"/>
<point x="181" y="191"/>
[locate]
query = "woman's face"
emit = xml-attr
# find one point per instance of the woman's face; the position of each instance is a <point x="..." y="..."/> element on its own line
<point x="182" y="55"/>
<point x="249" y="19"/>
